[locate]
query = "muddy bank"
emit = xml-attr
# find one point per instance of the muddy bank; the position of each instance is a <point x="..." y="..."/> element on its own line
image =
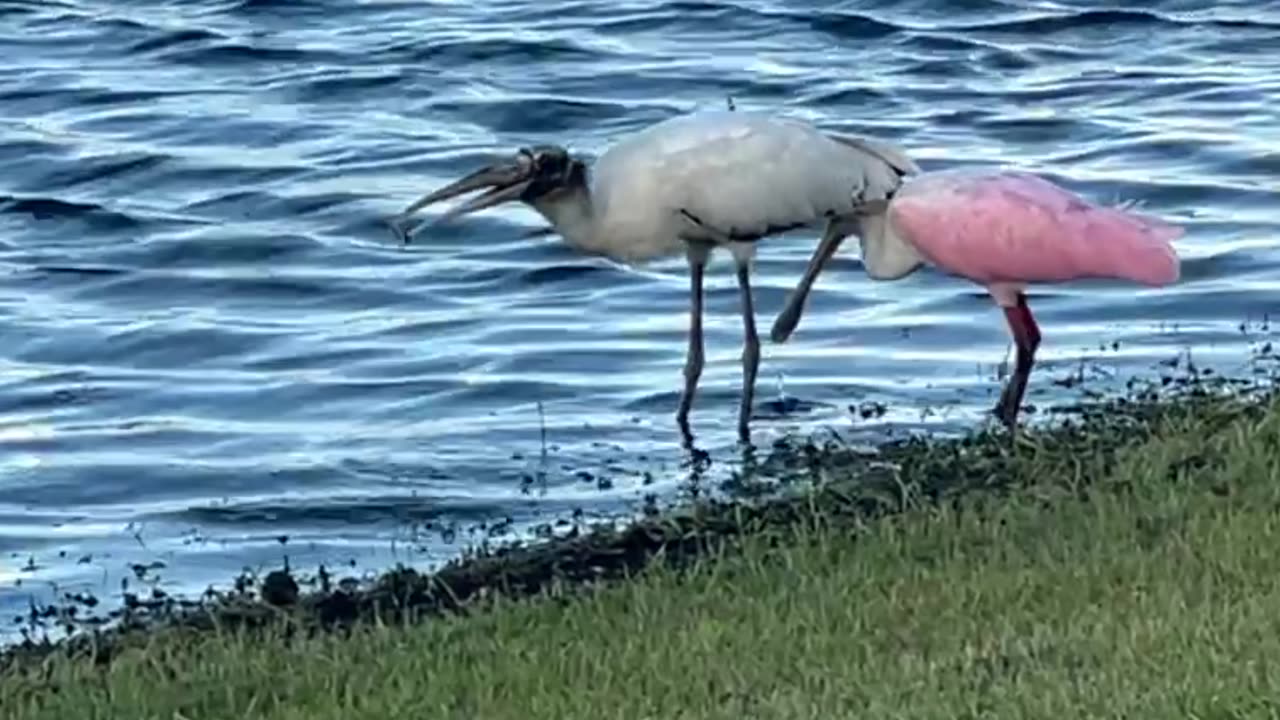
<point x="827" y="482"/>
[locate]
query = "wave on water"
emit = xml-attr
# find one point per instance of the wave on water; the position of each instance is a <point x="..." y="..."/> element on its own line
<point x="211" y="339"/>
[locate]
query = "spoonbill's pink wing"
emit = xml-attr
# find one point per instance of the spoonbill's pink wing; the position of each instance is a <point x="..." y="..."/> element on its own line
<point x="1009" y="227"/>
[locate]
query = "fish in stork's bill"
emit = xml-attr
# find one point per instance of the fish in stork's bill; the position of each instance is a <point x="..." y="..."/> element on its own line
<point x="689" y="184"/>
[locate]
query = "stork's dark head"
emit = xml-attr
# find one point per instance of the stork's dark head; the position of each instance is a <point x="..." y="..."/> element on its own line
<point x="534" y="175"/>
<point x="554" y="172"/>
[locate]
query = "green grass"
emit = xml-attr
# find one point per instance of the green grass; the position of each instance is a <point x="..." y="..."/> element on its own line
<point x="1139" y="583"/>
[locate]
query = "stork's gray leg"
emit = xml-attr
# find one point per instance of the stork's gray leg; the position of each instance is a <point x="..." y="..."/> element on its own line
<point x="697" y="254"/>
<point x="787" y="320"/>
<point x="750" y="353"/>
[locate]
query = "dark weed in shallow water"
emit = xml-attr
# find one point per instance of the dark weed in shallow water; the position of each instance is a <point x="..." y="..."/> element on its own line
<point x="831" y="482"/>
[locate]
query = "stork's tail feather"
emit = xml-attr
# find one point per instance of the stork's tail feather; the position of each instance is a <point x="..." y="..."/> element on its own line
<point x="891" y="153"/>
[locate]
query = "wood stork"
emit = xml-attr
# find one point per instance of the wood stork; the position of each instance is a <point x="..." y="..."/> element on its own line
<point x="1002" y="229"/>
<point x="689" y="184"/>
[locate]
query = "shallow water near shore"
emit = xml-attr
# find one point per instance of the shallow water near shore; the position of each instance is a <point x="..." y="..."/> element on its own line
<point x="215" y="354"/>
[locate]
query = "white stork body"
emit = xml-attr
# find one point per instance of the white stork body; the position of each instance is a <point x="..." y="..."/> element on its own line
<point x="742" y="175"/>
<point x="693" y="183"/>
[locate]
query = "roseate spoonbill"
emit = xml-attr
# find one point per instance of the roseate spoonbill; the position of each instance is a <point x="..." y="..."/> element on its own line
<point x="1002" y="229"/>
<point x="690" y="184"/>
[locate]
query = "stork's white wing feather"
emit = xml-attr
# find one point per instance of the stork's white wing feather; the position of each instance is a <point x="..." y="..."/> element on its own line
<point x="740" y="174"/>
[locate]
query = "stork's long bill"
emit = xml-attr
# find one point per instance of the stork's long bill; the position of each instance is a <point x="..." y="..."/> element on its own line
<point x="505" y="181"/>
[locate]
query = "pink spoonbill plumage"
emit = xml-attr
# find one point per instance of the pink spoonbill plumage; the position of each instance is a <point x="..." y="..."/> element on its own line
<point x="1002" y="229"/>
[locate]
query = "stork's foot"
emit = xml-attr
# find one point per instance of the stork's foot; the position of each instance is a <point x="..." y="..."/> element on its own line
<point x="786" y="321"/>
<point x="400" y="228"/>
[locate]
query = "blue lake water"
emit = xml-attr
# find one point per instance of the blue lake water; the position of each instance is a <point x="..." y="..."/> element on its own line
<point x="210" y="340"/>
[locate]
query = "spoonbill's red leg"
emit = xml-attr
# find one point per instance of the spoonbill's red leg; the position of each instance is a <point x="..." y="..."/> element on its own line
<point x="1026" y="337"/>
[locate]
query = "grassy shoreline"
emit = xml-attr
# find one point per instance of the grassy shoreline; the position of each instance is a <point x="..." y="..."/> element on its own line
<point x="1057" y="571"/>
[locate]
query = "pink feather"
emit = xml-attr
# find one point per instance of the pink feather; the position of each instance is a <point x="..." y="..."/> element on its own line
<point x="1003" y="229"/>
